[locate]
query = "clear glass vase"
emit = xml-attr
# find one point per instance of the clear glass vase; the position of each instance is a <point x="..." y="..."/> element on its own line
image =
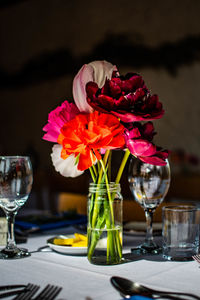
<point x="105" y="214"/>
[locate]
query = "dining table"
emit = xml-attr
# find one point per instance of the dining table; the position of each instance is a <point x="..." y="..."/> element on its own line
<point x="80" y="279"/>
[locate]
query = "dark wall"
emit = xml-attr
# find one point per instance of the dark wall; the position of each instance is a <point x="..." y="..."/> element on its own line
<point x="44" y="43"/>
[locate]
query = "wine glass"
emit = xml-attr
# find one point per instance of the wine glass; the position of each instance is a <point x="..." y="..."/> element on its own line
<point x="15" y="185"/>
<point x="149" y="185"/>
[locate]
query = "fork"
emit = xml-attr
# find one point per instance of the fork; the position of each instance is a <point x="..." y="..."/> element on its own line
<point x="49" y="293"/>
<point x="17" y="291"/>
<point x="196" y="257"/>
<point x="31" y="290"/>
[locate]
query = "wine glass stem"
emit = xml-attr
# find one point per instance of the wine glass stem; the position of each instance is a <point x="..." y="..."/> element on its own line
<point x="10" y="216"/>
<point x="149" y="221"/>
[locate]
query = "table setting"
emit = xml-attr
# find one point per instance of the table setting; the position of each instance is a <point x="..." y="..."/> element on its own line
<point x="81" y="279"/>
<point x="62" y="259"/>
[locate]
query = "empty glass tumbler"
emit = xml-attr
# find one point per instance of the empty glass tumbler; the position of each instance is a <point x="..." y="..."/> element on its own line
<point x="180" y="232"/>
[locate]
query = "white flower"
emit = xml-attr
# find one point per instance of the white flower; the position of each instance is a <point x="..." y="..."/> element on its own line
<point x="96" y="71"/>
<point x="65" y="167"/>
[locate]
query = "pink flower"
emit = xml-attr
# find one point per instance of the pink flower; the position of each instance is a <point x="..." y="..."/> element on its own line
<point x="96" y="71"/>
<point x="57" y="118"/>
<point x="158" y="159"/>
<point x="126" y="97"/>
<point x="138" y="140"/>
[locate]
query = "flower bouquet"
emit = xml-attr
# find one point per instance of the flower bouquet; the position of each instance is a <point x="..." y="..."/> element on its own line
<point x="108" y="113"/>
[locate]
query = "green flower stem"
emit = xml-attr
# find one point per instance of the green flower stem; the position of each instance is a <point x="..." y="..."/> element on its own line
<point x="109" y="223"/>
<point x="95" y="171"/>
<point x="92" y="174"/>
<point x="109" y="197"/>
<point x="95" y="212"/>
<point x="121" y="168"/>
<point x="92" y="197"/>
<point x="119" y="244"/>
<point x="95" y="235"/>
<point x="113" y="239"/>
<point x="109" y="166"/>
<point x="106" y="158"/>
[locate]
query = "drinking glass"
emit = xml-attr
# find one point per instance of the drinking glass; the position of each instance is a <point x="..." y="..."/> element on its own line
<point x="16" y="179"/>
<point x="180" y="232"/>
<point x="149" y="185"/>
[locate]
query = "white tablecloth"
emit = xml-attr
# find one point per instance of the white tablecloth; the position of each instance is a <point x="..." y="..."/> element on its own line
<point x="82" y="280"/>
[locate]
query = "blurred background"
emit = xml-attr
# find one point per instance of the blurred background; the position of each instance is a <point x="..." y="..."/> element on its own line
<point x="43" y="44"/>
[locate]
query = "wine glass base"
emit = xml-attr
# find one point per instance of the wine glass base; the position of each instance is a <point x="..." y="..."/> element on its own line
<point x="144" y="250"/>
<point x="14" y="253"/>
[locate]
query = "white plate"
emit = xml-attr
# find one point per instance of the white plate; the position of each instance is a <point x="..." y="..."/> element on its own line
<point x="66" y="249"/>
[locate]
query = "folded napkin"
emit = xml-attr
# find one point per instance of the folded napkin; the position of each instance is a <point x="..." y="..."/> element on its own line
<point x="42" y="223"/>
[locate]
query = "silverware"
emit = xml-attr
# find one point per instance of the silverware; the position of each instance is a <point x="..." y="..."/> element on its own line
<point x="40" y="249"/>
<point x="9" y="294"/>
<point x="129" y="288"/>
<point x="16" y="289"/>
<point x="30" y="291"/>
<point x="11" y="287"/>
<point x="48" y="293"/>
<point x="196" y="257"/>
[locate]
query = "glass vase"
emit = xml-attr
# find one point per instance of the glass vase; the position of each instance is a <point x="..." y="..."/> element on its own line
<point x="105" y="214"/>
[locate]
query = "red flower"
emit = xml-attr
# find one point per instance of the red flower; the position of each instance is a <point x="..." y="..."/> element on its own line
<point x="86" y="134"/>
<point x="126" y="97"/>
<point x="138" y="140"/>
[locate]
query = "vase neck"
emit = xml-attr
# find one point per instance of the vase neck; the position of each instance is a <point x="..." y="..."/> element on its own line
<point x="112" y="186"/>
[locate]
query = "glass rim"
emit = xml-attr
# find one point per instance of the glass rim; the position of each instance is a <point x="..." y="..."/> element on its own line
<point x="180" y="208"/>
<point x="14" y="156"/>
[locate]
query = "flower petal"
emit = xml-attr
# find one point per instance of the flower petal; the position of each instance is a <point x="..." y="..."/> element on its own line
<point x="65" y="167"/>
<point x="96" y="71"/>
<point x="153" y="160"/>
<point x="148" y="130"/>
<point x="141" y="147"/>
<point x="57" y="118"/>
<point x="127" y="97"/>
<point x="86" y="160"/>
<point x="102" y="70"/>
<point x="86" y="134"/>
<point x="158" y="159"/>
<point x="84" y="75"/>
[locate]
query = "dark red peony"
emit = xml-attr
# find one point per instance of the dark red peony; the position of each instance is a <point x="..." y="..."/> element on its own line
<point x="126" y="97"/>
<point x="138" y="139"/>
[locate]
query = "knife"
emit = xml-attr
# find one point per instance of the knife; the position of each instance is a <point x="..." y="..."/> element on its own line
<point x="10" y="287"/>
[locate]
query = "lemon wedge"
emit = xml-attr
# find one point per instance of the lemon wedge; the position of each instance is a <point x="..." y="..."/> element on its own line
<point x="79" y="240"/>
<point x="63" y="242"/>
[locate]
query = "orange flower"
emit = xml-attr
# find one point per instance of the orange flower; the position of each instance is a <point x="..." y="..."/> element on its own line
<point x="86" y="134"/>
